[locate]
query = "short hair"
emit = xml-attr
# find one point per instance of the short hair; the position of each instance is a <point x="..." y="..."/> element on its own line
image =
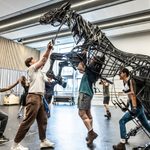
<point x="27" y="61"/>
<point x="125" y="70"/>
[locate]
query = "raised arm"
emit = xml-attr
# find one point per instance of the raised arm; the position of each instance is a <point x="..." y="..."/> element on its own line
<point x="44" y="58"/>
<point x="81" y="67"/>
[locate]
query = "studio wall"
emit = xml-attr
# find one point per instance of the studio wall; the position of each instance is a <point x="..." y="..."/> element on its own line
<point x="12" y="67"/>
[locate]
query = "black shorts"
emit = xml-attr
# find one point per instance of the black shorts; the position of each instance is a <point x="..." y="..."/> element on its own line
<point x="106" y="100"/>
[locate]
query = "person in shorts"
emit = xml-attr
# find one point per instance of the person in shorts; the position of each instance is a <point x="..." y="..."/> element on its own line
<point x="86" y="94"/>
<point x="106" y="97"/>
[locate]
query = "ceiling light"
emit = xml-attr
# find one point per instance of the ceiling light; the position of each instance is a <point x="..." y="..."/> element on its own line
<point x="83" y="3"/>
<point x="45" y="37"/>
<point x="20" y="21"/>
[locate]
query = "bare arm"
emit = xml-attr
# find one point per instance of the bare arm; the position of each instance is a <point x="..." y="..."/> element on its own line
<point x="132" y="94"/>
<point x="81" y="67"/>
<point x="9" y="87"/>
<point x="105" y="84"/>
<point x="44" y="58"/>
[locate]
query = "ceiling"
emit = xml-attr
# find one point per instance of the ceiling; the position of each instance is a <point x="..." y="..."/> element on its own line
<point x="19" y="20"/>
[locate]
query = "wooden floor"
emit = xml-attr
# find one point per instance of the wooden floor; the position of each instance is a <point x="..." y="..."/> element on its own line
<point x="67" y="131"/>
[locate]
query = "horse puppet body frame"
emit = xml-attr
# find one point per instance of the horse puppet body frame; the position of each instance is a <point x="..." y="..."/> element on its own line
<point x="90" y="37"/>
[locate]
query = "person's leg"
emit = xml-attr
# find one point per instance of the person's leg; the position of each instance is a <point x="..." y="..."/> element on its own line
<point x="32" y="107"/>
<point x="3" y="123"/>
<point x="91" y="134"/>
<point x="22" y="104"/>
<point x="42" y="125"/>
<point x="24" y="112"/>
<point x="126" y="118"/>
<point x="106" y="107"/>
<point x="20" y="112"/>
<point x="86" y="120"/>
<point x="88" y="112"/>
<point x="42" y="122"/>
<point x="3" y="120"/>
<point x="142" y="118"/>
<point x="48" y="98"/>
<point x="122" y="122"/>
<point x="84" y="105"/>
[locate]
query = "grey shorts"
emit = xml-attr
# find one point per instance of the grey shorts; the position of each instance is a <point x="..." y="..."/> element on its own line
<point x="84" y="101"/>
<point x="106" y="100"/>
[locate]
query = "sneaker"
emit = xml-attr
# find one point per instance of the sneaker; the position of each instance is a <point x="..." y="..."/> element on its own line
<point x="119" y="146"/>
<point x="46" y="144"/>
<point x="19" y="147"/>
<point x="3" y="139"/>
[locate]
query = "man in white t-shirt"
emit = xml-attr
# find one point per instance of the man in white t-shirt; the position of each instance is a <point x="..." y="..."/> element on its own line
<point x="34" y="103"/>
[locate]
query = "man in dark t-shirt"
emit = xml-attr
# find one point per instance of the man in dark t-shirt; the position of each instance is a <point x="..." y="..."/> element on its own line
<point x="85" y="98"/>
<point x="49" y="90"/>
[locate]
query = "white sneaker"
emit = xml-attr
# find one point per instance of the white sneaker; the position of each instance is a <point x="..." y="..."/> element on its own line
<point x="19" y="147"/>
<point x="46" y="144"/>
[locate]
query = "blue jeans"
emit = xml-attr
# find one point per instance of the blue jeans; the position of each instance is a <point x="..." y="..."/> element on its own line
<point x="127" y="117"/>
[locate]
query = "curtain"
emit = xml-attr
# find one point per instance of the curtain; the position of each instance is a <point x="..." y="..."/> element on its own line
<point x="13" y="55"/>
<point x="12" y="67"/>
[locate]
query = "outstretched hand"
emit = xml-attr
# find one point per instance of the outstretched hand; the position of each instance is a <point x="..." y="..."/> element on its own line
<point x="50" y="46"/>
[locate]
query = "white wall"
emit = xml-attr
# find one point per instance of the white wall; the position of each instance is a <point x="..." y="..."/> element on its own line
<point x="138" y="43"/>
